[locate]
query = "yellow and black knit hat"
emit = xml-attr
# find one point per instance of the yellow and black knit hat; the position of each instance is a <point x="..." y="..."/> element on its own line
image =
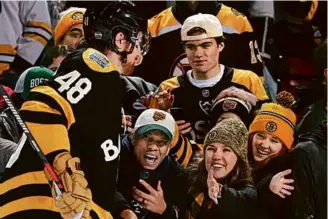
<point x="70" y="17"/>
<point x="277" y="119"/>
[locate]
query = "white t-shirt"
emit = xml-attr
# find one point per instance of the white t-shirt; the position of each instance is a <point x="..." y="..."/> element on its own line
<point x="206" y="83"/>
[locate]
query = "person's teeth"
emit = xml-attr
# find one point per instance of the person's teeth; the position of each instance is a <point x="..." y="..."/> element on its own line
<point x="150" y="159"/>
<point x="218" y="165"/>
<point x="262" y="152"/>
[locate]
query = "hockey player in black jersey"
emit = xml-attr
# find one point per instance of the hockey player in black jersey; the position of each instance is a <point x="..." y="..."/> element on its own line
<point x="76" y="122"/>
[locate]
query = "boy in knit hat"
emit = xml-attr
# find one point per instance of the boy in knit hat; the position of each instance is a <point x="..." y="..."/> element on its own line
<point x="68" y="34"/>
<point x="230" y="107"/>
<point x="69" y="29"/>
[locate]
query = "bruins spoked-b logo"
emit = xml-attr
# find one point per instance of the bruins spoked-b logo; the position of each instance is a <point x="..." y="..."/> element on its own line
<point x="159" y="116"/>
<point x="229" y="105"/>
<point x="77" y="16"/>
<point x="271" y="126"/>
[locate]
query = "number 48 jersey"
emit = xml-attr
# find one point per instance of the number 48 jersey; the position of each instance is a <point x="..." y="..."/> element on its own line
<point x="80" y="112"/>
<point x="93" y="87"/>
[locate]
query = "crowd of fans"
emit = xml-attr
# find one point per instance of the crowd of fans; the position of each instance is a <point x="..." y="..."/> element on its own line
<point x="201" y="111"/>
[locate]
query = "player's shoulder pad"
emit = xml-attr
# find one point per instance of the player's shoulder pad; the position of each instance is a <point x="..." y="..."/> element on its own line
<point x="97" y="61"/>
<point x="162" y="23"/>
<point x="233" y="21"/>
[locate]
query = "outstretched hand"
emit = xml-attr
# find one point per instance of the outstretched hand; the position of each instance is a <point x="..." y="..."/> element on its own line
<point x="280" y="186"/>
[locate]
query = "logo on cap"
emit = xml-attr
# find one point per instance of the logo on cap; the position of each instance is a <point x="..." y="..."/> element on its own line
<point x="271" y="126"/>
<point x="77" y="16"/>
<point x="213" y="135"/>
<point x="229" y="105"/>
<point x="159" y="116"/>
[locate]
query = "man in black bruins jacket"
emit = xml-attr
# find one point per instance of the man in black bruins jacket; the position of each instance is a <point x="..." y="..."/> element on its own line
<point x="76" y="119"/>
<point x="195" y="91"/>
<point x="167" y="55"/>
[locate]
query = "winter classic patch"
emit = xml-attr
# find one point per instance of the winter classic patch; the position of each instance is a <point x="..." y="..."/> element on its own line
<point x="98" y="61"/>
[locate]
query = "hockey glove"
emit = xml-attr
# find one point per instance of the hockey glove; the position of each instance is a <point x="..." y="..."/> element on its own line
<point x="77" y="197"/>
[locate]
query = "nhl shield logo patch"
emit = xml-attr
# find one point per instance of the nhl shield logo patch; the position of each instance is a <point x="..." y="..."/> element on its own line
<point x="271" y="126"/>
<point x="205" y="93"/>
<point x="229" y="105"/>
<point x="159" y="116"/>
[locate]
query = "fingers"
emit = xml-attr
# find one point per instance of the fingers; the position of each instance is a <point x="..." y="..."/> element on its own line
<point x="281" y="195"/>
<point x="141" y="196"/>
<point x="285" y="173"/>
<point x="288" y="187"/>
<point x="225" y="93"/>
<point x="186" y="131"/>
<point x="184" y="126"/>
<point x="210" y="178"/>
<point x="159" y="187"/>
<point x="180" y="122"/>
<point x="148" y="187"/>
<point x="285" y="192"/>
<point x="287" y="181"/>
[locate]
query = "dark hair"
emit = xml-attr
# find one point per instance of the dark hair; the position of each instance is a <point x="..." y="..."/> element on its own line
<point x="218" y="40"/>
<point x="198" y="31"/>
<point x="239" y="177"/>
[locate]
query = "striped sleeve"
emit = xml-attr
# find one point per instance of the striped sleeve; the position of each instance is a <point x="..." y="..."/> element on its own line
<point x="48" y="116"/>
<point x="183" y="149"/>
<point x="36" y="30"/>
<point x="7" y="56"/>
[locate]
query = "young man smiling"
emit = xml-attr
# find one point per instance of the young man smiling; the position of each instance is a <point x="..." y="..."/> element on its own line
<point x="151" y="182"/>
<point x="195" y="91"/>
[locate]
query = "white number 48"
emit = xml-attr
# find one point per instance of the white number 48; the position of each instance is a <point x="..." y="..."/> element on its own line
<point x="76" y="92"/>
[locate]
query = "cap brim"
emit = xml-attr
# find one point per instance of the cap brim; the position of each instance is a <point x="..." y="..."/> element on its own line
<point x="147" y="128"/>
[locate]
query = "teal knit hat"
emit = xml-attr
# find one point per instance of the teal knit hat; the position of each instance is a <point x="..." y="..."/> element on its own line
<point x="31" y="78"/>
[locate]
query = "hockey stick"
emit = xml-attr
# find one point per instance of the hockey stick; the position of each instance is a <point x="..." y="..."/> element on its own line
<point x="57" y="182"/>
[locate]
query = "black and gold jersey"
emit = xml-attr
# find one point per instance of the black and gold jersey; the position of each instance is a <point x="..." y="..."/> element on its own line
<point x="79" y="112"/>
<point x="195" y="103"/>
<point x="166" y="57"/>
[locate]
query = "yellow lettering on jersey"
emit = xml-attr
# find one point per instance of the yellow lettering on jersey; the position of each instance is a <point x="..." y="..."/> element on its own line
<point x="97" y="61"/>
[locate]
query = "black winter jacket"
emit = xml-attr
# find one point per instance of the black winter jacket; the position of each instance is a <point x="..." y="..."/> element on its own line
<point x="169" y="172"/>
<point x="310" y="174"/>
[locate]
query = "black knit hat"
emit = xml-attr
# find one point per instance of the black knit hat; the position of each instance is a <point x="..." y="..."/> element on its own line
<point x="233" y="105"/>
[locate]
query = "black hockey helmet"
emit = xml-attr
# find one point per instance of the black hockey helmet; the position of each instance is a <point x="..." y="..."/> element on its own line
<point x="102" y="24"/>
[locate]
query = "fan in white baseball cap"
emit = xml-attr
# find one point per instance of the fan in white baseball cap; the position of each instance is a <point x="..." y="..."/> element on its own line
<point x="207" y="22"/>
<point x="154" y="119"/>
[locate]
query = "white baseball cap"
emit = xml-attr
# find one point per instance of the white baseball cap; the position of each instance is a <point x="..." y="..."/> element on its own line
<point x="155" y="119"/>
<point x="208" y="22"/>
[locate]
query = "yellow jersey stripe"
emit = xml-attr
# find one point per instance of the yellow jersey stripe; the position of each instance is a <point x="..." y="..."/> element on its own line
<point x="102" y="213"/>
<point x="37" y="37"/>
<point x="36" y="177"/>
<point x="60" y="100"/>
<point x="28" y="203"/>
<point x="40" y="24"/>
